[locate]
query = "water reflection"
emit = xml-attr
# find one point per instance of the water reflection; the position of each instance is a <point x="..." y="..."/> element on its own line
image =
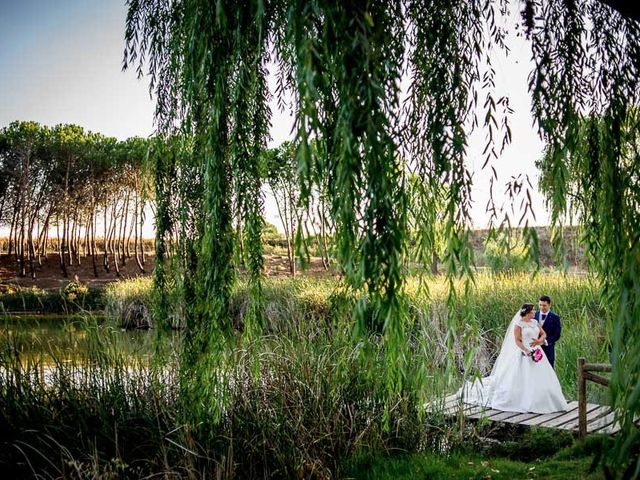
<point x="60" y="338"/>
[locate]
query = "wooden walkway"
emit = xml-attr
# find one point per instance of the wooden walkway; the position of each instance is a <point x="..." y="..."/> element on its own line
<point x="600" y="419"/>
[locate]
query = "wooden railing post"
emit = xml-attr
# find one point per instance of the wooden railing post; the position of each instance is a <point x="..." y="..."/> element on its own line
<point x="582" y="399"/>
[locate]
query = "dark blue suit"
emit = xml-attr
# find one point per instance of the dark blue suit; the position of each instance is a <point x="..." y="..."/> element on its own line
<point x="552" y="328"/>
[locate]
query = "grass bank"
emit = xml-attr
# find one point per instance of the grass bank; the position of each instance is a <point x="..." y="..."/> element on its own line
<point x="74" y="297"/>
<point x="529" y="457"/>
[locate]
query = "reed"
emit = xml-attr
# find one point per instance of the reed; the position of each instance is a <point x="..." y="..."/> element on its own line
<point x="298" y="401"/>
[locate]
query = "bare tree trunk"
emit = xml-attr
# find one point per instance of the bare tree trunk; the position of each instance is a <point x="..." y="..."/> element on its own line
<point x="105" y="258"/>
<point x="30" y="242"/>
<point x="434" y="263"/>
<point x="63" y="265"/>
<point x="31" y="256"/>
<point x="123" y="229"/>
<point x="131" y="228"/>
<point x="71" y="234"/>
<point x="323" y="236"/>
<point x="23" y="264"/>
<point x="86" y="245"/>
<point x="142" y="259"/>
<point x="12" y="228"/>
<point x="4" y="197"/>
<point x="282" y="213"/>
<point x="116" y="252"/>
<point x="113" y="241"/>
<point x="94" y="253"/>
<point x="292" y="219"/>
<point x="43" y="237"/>
<point x="135" y="235"/>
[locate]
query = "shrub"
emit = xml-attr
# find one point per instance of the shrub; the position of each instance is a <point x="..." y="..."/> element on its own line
<point x="502" y="257"/>
<point x="129" y="303"/>
<point x="73" y="297"/>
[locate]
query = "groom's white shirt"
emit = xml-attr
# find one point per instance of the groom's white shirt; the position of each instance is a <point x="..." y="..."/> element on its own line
<point x="541" y="322"/>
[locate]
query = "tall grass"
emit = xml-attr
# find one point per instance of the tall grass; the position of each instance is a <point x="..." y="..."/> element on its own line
<point x="110" y="414"/>
<point x="299" y="401"/>
<point x="292" y="303"/>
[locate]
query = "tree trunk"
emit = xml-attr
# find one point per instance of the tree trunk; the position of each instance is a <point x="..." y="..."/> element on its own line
<point x="123" y="231"/>
<point x="43" y="237"/>
<point x="142" y="259"/>
<point x="135" y="235"/>
<point x="113" y="234"/>
<point x="282" y="213"/>
<point x="63" y="265"/>
<point x="12" y="228"/>
<point x="94" y="253"/>
<point x="323" y="236"/>
<point x="105" y="258"/>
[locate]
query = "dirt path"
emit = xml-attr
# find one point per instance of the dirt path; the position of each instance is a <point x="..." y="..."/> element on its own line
<point x="49" y="275"/>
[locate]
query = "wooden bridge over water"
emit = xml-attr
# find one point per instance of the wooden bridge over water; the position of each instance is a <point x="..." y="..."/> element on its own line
<point x="581" y="417"/>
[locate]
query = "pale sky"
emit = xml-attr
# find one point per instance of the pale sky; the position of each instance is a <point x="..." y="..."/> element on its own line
<point x="60" y="62"/>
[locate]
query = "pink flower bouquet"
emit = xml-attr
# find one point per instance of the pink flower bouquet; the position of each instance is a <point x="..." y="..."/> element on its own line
<point x="537" y="355"/>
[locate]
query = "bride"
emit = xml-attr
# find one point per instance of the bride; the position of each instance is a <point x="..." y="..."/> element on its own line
<point x="522" y="379"/>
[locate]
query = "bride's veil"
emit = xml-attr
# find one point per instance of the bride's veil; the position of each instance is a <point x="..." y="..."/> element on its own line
<point x="482" y="390"/>
<point x="508" y="350"/>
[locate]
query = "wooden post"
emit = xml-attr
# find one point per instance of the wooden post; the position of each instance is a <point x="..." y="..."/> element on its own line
<point x="582" y="399"/>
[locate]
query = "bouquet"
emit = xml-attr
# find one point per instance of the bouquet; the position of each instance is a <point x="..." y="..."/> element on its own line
<point x="537" y="355"/>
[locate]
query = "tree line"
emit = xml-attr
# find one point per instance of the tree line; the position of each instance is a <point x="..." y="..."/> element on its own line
<point x="83" y="195"/>
<point x="79" y="192"/>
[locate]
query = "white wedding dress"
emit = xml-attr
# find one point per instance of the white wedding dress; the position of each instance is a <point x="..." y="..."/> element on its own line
<point x="517" y="383"/>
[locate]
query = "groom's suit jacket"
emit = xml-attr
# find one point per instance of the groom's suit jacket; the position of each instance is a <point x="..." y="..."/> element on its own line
<point x="552" y="328"/>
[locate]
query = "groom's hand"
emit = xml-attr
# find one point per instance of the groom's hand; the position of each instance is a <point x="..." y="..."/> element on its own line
<point x="537" y="342"/>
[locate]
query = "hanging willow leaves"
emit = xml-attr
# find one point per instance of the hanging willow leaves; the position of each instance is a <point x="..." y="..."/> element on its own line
<point x="586" y="98"/>
<point x="343" y="63"/>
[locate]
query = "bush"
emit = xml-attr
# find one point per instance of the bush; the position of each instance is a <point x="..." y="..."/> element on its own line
<point x="129" y="303"/>
<point x="73" y="297"/>
<point x="501" y="257"/>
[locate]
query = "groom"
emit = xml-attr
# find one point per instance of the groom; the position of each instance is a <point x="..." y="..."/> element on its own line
<point x="550" y="322"/>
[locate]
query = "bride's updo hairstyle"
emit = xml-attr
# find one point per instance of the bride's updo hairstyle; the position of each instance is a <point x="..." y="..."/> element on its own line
<point x="526" y="308"/>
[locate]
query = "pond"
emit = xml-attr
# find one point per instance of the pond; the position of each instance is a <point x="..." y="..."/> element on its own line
<point x="51" y="338"/>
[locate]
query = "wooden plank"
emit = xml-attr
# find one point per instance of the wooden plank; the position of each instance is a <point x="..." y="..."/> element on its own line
<point x="457" y="407"/>
<point x="550" y="416"/>
<point x="582" y="397"/>
<point x="486" y="413"/>
<point x="601" y="423"/>
<point x="502" y="416"/>
<point x="596" y="378"/>
<point x="611" y="429"/>
<point x="616" y="427"/>
<point x="475" y="410"/>
<point x="597" y="367"/>
<point x="599" y="417"/>
<point x="521" y="418"/>
<point x="591" y="416"/>
<point x="439" y="405"/>
<point x="567" y="417"/>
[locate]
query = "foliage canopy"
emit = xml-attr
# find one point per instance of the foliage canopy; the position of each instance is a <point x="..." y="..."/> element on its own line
<point x="343" y="63"/>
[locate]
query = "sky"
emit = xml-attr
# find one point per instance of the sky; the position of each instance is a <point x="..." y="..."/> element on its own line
<point x="61" y="62"/>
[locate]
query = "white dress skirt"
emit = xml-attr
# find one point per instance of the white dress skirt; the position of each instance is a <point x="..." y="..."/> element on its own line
<point x="518" y="384"/>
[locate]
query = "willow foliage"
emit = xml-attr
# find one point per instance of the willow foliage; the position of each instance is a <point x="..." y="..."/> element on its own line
<point x="586" y="98"/>
<point x="343" y="63"/>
